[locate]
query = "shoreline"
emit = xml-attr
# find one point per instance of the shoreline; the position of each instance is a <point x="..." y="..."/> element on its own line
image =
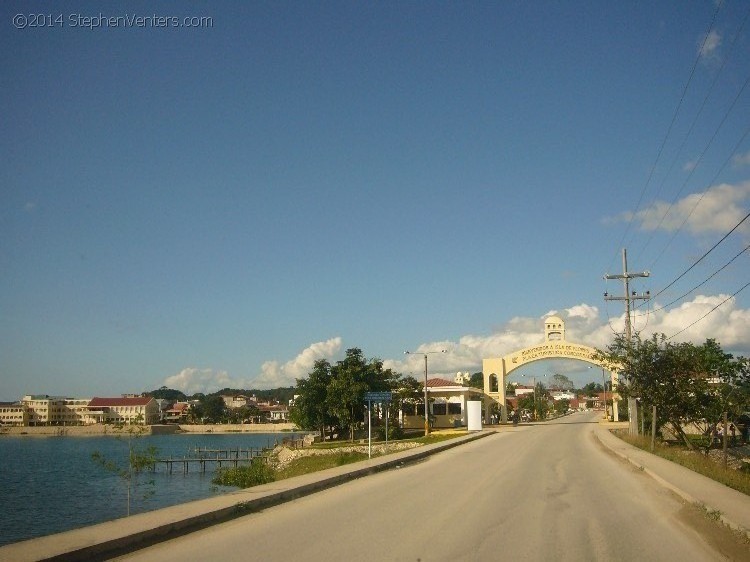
<point x="170" y="429"/>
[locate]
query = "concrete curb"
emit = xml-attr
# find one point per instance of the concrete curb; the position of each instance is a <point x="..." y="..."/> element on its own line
<point x="112" y="538"/>
<point x="678" y="478"/>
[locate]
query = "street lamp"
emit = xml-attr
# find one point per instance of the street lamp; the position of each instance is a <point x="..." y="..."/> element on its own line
<point x="426" y="414"/>
<point x="604" y="388"/>
<point x="533" y="378"/>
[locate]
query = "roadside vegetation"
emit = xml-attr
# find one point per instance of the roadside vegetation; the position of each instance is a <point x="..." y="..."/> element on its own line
<point x="710" y="466"/>
<point x="688" y="396"/>
<point x="691" y="387"/>
<point x="262" y="471"/>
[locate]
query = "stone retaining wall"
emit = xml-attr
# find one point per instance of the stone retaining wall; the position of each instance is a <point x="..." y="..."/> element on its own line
<point x="80" y="430"/>
<point x="167" y="429"/>
<point x="239" y="428"/>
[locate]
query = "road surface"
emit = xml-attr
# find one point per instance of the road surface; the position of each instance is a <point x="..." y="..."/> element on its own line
<point x="536" y="492"/>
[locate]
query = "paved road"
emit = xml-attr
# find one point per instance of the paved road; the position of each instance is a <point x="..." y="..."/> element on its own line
<point x="540" y="492"/>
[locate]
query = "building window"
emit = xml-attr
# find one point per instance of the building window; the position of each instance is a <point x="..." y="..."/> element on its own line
<point x="438" y="409"/>
<point x="493" y="383"/>
<point x="454" y="408"/>
<point x="408" y="409"/>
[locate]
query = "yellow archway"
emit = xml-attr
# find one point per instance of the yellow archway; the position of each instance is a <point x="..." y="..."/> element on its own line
<point x="554" y="347"/>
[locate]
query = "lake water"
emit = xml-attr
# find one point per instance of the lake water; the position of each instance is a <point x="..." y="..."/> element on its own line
<point x="51" y="484"/>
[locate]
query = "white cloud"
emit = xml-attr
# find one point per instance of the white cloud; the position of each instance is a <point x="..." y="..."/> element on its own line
<point x="729" y="325"/>
<point x="192" y="380"/>
<point x="718" y="209"/>
<point x="273" y="374"/>
<point x="709" y="49"/>
<point x="584" y="324"/>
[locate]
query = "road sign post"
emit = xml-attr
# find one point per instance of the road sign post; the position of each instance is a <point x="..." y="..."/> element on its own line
<point x="377" y="397"/>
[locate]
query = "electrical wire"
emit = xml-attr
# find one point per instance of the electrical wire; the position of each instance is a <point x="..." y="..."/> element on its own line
<point x="721" y="169"/>
<point x="710" y="311"/>
<point x="699" y="285"/>
<point x="703" y="256"/>
<point x="687" y="135"/>
<point x="671" y="125"/>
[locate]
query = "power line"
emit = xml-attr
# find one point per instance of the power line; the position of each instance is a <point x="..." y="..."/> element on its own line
<point x="687" y="135"/>
<point x="710" y="311"/>
<point x="722" y="268"/>
<point x="703" y="256"/>
<point x="671" y="124"/>
<point x="674" y="234"/>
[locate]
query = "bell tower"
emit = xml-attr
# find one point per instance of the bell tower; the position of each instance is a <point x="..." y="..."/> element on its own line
<point x="554" y="329"/>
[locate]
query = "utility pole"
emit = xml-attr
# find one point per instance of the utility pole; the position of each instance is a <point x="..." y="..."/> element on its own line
<point x="426" y="401"/>
<point x="628" y="297"/>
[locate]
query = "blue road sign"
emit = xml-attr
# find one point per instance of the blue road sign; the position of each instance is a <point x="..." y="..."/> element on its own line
<point x="378" y="396"/>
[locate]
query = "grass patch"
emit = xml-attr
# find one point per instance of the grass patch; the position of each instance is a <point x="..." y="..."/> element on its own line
<point x="437" y="437"/>
<point x="315" y="463"/>
<point x="434" y="437"/>
<point x="694" y="460"/>
<point x="256" y="473"/>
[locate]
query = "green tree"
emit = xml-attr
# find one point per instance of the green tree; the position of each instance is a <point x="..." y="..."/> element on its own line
<point x="334" y="394"/>
<point x="310" y="409"/>
<point x="688" y="384"/>
<point x="477" y="380"/>
<point x="214" y="409"/>
<point x="562" y="406"/>
<point x="592" y="388"/>
<point x="542" y="403"/>
<point x="346" y="391"/>
<point x="167" y="394"/>
<point x="526" y="402"/>
<point x="408" y="390"/>
<point x="536" y="402"/>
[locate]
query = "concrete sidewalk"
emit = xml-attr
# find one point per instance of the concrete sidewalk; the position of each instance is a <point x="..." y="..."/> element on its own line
<point x="105" y="540"/>
<point x="733" y="506"/>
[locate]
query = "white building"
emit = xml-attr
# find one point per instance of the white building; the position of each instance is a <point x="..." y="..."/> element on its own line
<point x="51" y="410"/>
<point x="447" y="405"/>
<point x="13" y="413"/>
<point x="142" y="410"/>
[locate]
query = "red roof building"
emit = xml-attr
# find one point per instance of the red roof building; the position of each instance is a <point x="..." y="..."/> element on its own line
<point x="141" y="410"/>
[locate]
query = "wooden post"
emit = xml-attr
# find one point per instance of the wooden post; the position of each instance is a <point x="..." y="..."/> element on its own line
<point x="653" y="428"/>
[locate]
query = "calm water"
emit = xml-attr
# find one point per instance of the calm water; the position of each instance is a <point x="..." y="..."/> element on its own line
<point x="51" y="484"/>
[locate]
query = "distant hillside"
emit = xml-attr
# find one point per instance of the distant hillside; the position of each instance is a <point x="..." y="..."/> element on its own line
<point x="282" y="394"/>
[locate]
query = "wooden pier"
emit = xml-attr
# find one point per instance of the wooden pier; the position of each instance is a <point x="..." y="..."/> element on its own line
<point x="200" y="457"/>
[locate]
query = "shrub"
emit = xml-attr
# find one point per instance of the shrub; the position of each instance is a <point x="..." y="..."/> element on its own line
<point x="394" y="432"/>
<point x="256" y="473"/>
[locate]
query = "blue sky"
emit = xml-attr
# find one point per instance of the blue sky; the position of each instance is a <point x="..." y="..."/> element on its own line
<point x="221" y="205"/>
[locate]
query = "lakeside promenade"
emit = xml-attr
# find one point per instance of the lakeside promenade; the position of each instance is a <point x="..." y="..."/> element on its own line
<point x="105" y="540"/>
<point x="165" y="429"/>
